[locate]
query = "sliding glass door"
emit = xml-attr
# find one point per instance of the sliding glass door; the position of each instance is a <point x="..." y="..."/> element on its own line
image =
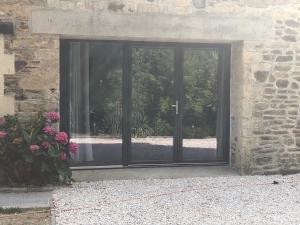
<point x="93" y="101"/>
<point x="204" y="105"/>
<point x="152" y="115"/>
<point x="145" y="103"/>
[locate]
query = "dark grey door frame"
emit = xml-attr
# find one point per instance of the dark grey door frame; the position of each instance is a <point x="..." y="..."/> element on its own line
<point x="178" y="70"/>
<point x="223" y="68"/>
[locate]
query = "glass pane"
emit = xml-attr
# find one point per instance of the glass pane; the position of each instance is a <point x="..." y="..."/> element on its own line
<point x="152" y="98"/>
<point x="200" y="104"/>
<point x="95" y="104"/>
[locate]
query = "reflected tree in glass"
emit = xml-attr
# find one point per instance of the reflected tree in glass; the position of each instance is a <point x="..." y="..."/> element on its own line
<point x="152" y="92"/>
<point x="200" y="93"/>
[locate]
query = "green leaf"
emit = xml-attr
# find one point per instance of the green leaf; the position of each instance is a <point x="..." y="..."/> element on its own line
<point x="28" y="158"/>
<point x="45" y="167"/>
<point x="26" y="136"/>
<point x="53" y="152"/>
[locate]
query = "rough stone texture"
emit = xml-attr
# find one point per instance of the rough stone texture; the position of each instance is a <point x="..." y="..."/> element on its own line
<point x="36" y="80"/>
<point x="265" y="95"/>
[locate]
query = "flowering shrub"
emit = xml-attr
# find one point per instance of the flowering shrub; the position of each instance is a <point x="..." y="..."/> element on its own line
<point x="34" y="152"/>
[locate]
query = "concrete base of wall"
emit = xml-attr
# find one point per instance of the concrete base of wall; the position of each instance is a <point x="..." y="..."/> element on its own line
<point x="26" y="200"/>
<point x="153" y="173"/>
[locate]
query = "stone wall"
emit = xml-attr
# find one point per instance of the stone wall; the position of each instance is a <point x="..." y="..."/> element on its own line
<point x="36" y="80"/>
<point x="265" y="38"/>
<point x="275" y="67"/>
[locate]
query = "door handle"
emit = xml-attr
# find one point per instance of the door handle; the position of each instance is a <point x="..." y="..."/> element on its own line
<point x="176" y="107"/>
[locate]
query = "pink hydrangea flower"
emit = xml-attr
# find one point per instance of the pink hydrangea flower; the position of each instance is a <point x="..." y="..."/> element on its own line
<point x="2" y="134"/>
<point x="49" y="130"/>
<point x="34" y="148"/>
<point x="2" y="121"/>
<point x="73" y="147"/>
<point x="63" y="156"/>
<point x="45" y="144"/>
<point x="62" y="137"/>
<point x="52" y="116"/>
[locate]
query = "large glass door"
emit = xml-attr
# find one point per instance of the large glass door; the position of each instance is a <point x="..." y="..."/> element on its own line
<point x="152" y="114"/>
<point x="180" y="104"/>
<point x="145" y="103"/>
<point x="94" y="109"/>
<point x="202" y="106"/>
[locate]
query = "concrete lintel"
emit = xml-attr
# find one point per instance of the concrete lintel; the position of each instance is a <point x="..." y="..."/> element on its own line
<point x="151" y="26"/>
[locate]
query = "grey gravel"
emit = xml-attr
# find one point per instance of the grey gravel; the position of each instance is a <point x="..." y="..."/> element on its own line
<point x="219" y="200"/>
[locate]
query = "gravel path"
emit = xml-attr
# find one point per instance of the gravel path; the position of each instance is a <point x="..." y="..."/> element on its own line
<point x="222" y="200"/>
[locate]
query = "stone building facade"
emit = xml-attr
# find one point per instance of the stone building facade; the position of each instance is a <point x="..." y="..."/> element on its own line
<point x="265" y="63"/>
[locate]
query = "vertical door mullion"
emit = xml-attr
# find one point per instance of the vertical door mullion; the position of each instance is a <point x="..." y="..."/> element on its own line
<point x="220" y="102"/>
<point x="226" y="126"/>
<point x="223" y="126"/>
<point x="126" y="104"/>
<point x="178" y="94"/>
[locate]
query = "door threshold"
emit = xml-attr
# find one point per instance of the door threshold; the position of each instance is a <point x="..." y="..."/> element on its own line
<point x="131" y="166"/>
<point x="97" y="167"/>
<point x="178" y="164"/>
<point x="141" y="173"/>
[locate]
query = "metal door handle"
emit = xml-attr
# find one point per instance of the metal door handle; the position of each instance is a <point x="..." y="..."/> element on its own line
<point x="176" y="107"/>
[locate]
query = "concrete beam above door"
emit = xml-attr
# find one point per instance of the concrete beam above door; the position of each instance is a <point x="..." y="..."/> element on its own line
<point x="196" y="27"/>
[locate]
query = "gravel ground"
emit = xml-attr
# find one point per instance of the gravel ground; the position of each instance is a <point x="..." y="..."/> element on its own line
<point x="252" y="200"/>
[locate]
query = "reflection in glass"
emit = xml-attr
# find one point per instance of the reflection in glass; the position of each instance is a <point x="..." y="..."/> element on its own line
<point x="200" y="104"/>
<point x="152" y="118"/>
<point x="95" y="101"/>
<point x="96" y="83"/>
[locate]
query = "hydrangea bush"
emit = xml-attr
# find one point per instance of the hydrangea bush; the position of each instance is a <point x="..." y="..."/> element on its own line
<point x="34" y="152"/>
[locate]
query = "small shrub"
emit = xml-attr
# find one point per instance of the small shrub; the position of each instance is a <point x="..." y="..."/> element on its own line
<point x="34" y="152"/>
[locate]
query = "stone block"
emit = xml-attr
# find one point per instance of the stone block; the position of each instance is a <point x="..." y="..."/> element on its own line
<point x="261" y="76"/>
<point x="284" y="58"/>
<point x="199" y="4"/>
<point x="7" y="67"/>
<point x="292" y="23"/>
<point x="7" y="105"/>
<point x="290" y="38"/>
<point x="7" y="64"/>
<point x="282" y="68"/>
<point x="282" y="83"/>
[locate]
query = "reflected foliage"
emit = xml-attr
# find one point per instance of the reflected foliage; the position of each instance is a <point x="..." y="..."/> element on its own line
<point x="106" y="89"/>
<point x="152" y="91"/>
<point x="200" y="98"/>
